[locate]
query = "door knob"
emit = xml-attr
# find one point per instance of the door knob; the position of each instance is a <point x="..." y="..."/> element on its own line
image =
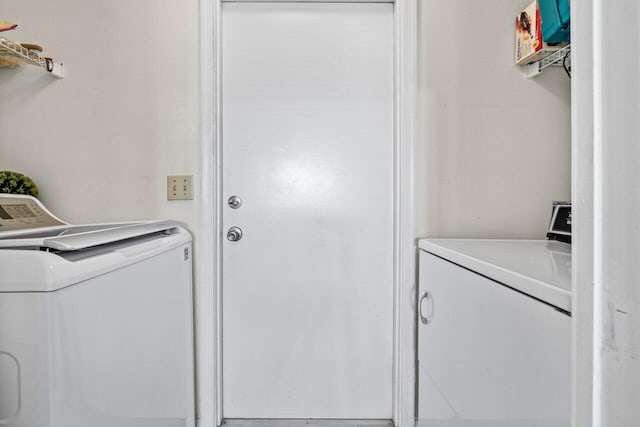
<point x="234" y="202"/>
<point x="234" y="234"/>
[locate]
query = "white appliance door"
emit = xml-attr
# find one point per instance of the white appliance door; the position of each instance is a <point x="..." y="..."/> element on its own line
<point x="307" y="146"/>
<point x="489" y="356"/>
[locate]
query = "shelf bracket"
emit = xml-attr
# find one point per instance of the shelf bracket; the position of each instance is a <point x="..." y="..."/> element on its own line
<point x="57" y="70"/>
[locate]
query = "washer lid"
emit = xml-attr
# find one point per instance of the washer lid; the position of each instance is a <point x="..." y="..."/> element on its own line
<point x="32" y="270"/>
<point x="76" y="237"/>
<point x="41" y="253"/>
<point x="25" y="223"/>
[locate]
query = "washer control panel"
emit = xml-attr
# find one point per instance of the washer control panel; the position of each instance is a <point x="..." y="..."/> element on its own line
<point x="24" y="212"/>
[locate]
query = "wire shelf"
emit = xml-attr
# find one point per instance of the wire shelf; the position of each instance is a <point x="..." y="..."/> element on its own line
<point x="13" y="55"/>
<point x="557" y="58"/>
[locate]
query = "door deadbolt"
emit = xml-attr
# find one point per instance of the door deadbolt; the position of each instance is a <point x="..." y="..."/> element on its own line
<point x="234" y="234"/>
<point x="234" y="202"/>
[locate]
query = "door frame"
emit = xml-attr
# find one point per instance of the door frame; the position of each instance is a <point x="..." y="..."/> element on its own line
<point x="583" y="185"/>
<point x="208" y="278"/>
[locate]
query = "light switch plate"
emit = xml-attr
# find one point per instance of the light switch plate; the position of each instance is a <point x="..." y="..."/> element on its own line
<point x="180" y="187"/>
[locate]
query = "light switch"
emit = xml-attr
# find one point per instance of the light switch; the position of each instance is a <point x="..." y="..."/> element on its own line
<point x="180" y="187"/>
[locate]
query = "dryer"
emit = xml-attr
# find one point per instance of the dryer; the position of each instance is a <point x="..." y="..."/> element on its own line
<point x="494" y="334"/>
<point x="96" y="321"/>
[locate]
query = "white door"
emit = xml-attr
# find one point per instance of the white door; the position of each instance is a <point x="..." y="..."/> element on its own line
<point x="307" y="145"/>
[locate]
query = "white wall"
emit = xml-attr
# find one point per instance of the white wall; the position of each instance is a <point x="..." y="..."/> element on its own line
<point x="100" y="143"/>
<point x="493" y="148"/>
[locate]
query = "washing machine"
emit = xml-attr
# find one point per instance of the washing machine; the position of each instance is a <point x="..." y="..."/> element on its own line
<point x="96" y="321"/>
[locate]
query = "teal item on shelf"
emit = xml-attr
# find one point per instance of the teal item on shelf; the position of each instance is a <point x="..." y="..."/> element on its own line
<point x="556" y="20"/>
<point x="565" y="11"/>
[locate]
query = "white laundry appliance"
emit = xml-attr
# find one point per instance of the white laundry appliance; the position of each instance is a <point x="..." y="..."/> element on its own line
<point x="494" y="333"/>
<point x="96" y="323"/>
